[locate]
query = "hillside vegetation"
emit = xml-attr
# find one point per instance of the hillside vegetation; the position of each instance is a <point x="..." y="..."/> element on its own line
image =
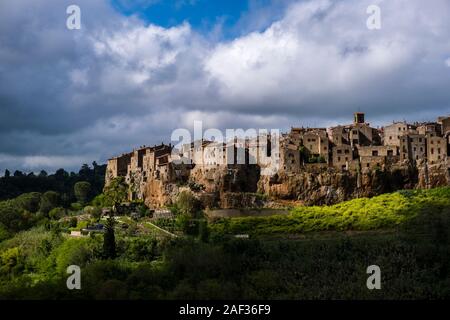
<point x="205" y="261"/>
<point x="384" y="211"/>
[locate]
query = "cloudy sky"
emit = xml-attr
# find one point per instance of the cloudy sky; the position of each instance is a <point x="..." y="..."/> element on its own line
<point x="136" y="70"/>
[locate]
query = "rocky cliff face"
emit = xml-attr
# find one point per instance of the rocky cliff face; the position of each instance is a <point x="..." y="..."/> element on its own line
<point x="243" y="187"/>
<point x="330" y="186"/>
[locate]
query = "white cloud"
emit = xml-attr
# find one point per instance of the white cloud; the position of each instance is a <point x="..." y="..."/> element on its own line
<point x="447" y="62"/>
<point x="120" y="82"/>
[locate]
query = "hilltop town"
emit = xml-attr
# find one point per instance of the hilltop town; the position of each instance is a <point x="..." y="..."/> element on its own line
<point x="314" y="165"/>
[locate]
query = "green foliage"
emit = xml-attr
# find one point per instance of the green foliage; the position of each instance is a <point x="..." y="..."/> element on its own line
<point x="74" y="252"/>
<point x="76" y="206"/>
<point x="10" y="257"/>
<point x="414" y="258"/>
<point x="384" y="211"/>
<point x="316" y="159"/>
<point x="196" y="186"/>
<point x="115" y="193"/>
<point x="109" y="240"/>
<point x="82" y="224"/>
<point x="49" y="200"/>
<point x="187" y="204"/>
<point x="4" y="234"/>
<point x="56" y="213"/>
<point x="100" y="201"/>
<point x="82" y="191"/>
<point x="61" y="182"/>
<point x="29" y="201"/>
<point x="138" y="249"/>
<point x="73" y="222"/>
<point x="13" y="218"/>
<point x="95" y="212"/>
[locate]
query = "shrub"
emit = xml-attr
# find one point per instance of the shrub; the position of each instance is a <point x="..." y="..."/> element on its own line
<point x="187" y="204"/>
<point x="49" y="200"/>
<point x="56" y="213"/>
<point x="29" y="201"/>
<point x="76" y="206"/>
<point x="82" y="190"/>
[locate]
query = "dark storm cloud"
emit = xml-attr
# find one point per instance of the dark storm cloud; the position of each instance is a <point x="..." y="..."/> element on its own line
<point x="73" y="96"/>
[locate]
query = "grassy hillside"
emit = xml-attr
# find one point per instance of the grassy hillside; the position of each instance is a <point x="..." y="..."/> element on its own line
<point x="385" y="211"/>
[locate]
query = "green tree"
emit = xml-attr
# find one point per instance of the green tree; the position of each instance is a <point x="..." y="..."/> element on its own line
<point x="49" y="200"/>
<point x="29" y="201"/>
<point x="187" y="203"/>
<point x="73" y="222"/>
<point x="109" y="239"/>
<point x="43" y="174"/>
<point x="115" y="193"/>
<point x="82" y="190"/>
<point x="13" y="217"/>
<point x="56" y="213"/>
<point x="18" y="173"/>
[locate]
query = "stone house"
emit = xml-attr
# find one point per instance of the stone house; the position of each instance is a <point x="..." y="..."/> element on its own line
<point x="343" y="157"/>
<point x="117" y="167"/>
<point x="393" y="133"/>
<point x="437" y="149"/>
<point x="430" y="129"/>
<point x="376" y="156"/>
<point x="413" y="147"/>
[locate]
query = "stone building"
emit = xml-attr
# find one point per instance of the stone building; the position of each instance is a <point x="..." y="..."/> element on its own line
<point x="429" y="128"/>
<point x="290" y="157"/>
<point x="413" y="147"/>
<point x="339" y="135"/>
<point x="437" y="149"/>
<point x="377" y="156"/>
<point x="117" y="167"/>
<point x="313" y="142"/>
<point x="343" y="157"/>
<point x="445" y="125"/>
<point x="155" y="174"/>
<point x="393" y="133"/>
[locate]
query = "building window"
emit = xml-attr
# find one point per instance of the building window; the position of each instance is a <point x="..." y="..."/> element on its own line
<point x="375" y="153"/>
<point x="432" y="151"/>
<point x="339" y="151"/>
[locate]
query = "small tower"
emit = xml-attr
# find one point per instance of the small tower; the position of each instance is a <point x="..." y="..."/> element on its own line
<point x="358" y="117"/>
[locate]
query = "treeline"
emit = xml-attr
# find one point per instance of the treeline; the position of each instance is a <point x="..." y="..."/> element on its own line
<point x="14" y="184"/>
